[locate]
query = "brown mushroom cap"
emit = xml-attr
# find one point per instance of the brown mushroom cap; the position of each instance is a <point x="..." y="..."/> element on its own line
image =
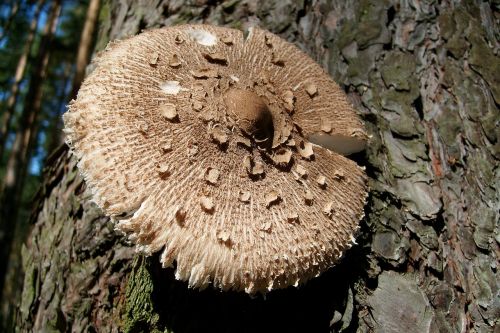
<point x="195" y="140"/>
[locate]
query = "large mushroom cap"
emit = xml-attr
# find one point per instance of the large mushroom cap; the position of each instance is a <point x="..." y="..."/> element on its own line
<point x="196" y="140"/>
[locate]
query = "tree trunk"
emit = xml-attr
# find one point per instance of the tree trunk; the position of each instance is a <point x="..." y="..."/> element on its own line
<point x="20" y="69"/>
<point x="423" y="75"/>
<point x="14" y="8"/>
<point x="17" y="164"/>
<point x="84" y="48"/>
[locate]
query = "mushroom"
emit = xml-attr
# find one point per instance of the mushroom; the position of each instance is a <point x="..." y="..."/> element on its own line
<point x="225" y="134"/>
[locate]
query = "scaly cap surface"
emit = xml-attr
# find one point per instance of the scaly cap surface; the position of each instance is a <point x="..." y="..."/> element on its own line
<point x="197" y="142"/>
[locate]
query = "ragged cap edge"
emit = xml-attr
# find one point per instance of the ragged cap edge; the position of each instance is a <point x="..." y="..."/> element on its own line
<point x="195" y="275"/>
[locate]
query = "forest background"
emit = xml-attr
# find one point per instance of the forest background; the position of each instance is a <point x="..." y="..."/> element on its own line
<point x="45" y="46"/>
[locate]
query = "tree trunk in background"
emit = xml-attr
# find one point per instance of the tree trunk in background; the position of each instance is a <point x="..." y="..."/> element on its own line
<point x="55" y="136"/>
<point x="83" y="56"/>
<point x="424" y="76"/>
<point x="84" y="48"/>
<point x="14" y="8"/>
<point x="17" y="165"/>
<point x="10" y="105"/>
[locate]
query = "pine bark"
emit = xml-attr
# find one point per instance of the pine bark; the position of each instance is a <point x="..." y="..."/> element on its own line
<point x="422" y="75"/>
<point x="10" y="105"/>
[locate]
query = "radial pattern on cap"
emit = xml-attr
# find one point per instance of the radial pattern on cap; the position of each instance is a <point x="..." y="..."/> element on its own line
<point x="194" y="139"/>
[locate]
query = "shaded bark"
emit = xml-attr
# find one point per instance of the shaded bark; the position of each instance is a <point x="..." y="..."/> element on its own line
<point x="10" y="105"/>
<point x="422" y="76"/>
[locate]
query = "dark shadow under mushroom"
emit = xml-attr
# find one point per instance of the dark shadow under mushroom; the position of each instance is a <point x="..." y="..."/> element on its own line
<point x="309" y="308"/>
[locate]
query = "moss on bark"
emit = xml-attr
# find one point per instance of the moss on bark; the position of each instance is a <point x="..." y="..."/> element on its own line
<point x="140" y="314"/>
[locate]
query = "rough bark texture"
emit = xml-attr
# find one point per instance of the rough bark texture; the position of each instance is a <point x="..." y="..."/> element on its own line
<point x="424" y="75"/>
